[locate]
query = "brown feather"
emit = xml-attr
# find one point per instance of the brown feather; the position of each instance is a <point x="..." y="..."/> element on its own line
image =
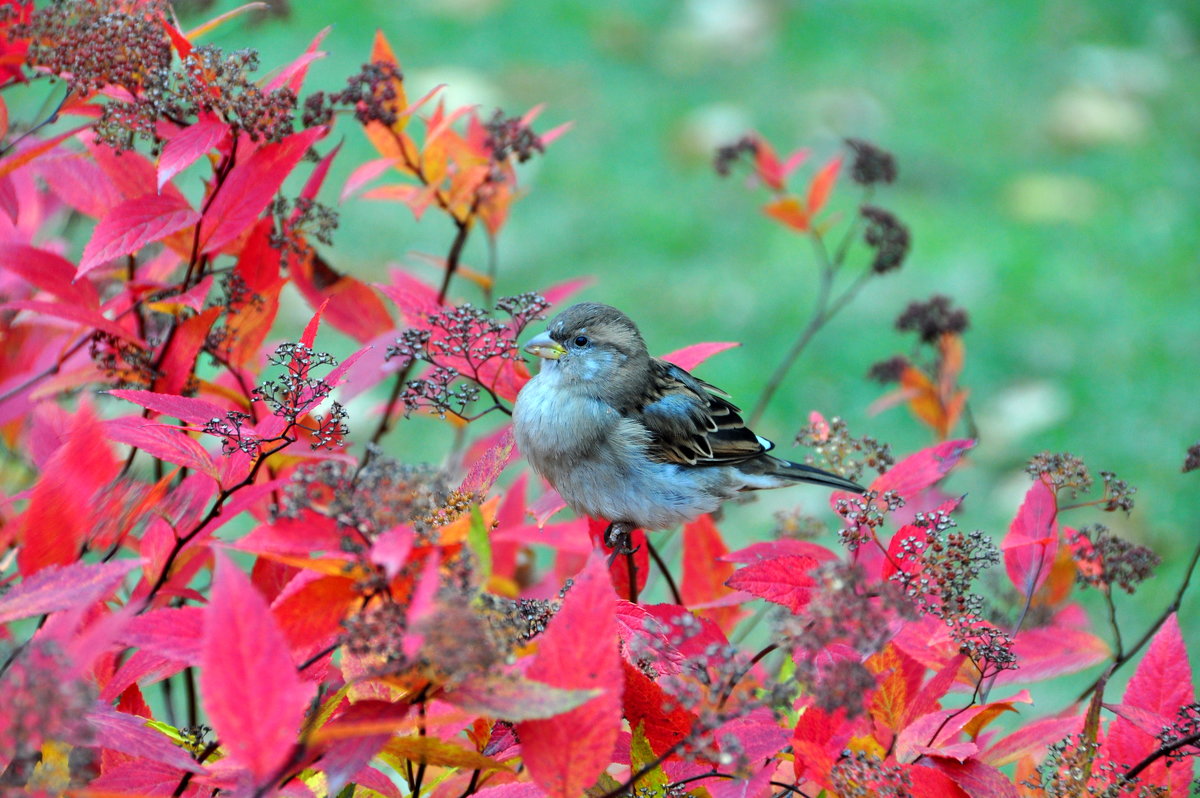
<point x="690" y="424"/>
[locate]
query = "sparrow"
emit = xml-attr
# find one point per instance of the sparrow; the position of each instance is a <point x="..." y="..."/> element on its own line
<point x="635" y="440"/>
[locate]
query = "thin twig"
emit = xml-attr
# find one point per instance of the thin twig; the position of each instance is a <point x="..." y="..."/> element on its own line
<point x="1166" y="613"/>
<point x="666" y="572"/>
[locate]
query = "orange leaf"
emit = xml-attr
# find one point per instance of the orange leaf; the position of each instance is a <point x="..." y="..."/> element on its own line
<point x="221" y="19"/>
<point x="381" y="52"/>
<point x="924" y="403"/>
<point x="789" y="212"/>
<point x="822" y="185"/>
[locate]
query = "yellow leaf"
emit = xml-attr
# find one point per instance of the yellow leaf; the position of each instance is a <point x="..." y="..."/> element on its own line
<point x="53" y="773"/>
<point x="433" y="751"/>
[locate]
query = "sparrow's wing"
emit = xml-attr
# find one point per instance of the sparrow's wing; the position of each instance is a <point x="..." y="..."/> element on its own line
<point x="690" y="424"/>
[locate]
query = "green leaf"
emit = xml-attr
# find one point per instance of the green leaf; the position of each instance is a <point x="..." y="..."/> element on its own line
<point x="480" y="544"/>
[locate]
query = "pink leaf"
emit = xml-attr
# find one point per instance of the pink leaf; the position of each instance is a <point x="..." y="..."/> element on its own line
<point x="161" y="441"/>
<point x="192" y="411"/>
<point x="1032" y="540"/>
<point x="691" y="356"/>
<point x="253" y="695"/>
<point x="783" y="580"/>
<point x="772" y="549"/>
<point x="189" y="145"/>
<point x="294" y="73"/>
<point x="1030" y="740"/>
<point x="250" y="187"/>
<point x="920" y="470"/>
<point x="485" y="471"/>
<point x="565" y="754"/>
<point x="171" y="633"/>
<point x="73" y="313"/>
<point x="130" y="735"/>
<point x="364" y="174"/>
<point x="55" y="588"/>
<point x="391" y="549"/>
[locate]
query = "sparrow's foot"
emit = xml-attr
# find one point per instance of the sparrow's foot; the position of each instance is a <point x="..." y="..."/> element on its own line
<point x="619" y="538"/>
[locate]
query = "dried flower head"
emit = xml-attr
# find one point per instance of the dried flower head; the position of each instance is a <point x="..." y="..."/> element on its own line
<point x="1065" y="470"/>
<point x="1105" y="559"/>
<point x="510" y="136"/>
<point x="888" y="371"/>
<point x="836" y="450"/>
<point x="932" y="318"/>
<point x="729" y="154"/>
<point x="888" y="236"/>
<point x="1192" y="461"/>
<point x="1118" y="494"/>
<point x="872" y="164"/>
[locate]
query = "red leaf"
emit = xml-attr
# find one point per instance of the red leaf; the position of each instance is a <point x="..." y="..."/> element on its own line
<point x="161" y="441"/>
<point x="353" y="307"/>
<point x="252" y="693"/>
<point x="822" y="185"/>
<point x="1161" y="685"/>
<point x="705" y="573"/>
<point x="976" y="778"/>
<point x="783" y="580"/>
<point x="691" y="356"/>
<point x="665" y="723"/>
<point x="1032" y="540"/>
<point x="310" y="611"/>
<point x="250" y="187"/>
<point x="566" y="754"/>
<point x="62" y="508"/>
<point x="58" y="588"/>
<point x="188" y="145"/>
<point x="49" y="272"/>
<point x="179" y="361"/>
<point x="391" y="549"/>
<point x="187" y="409"/>
<point x="75" y="313"/>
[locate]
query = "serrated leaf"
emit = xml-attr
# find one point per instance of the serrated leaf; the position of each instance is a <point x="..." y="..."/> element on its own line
<point x="133" y="224"/>
<point x="250" y="187"/>
<point x="565" y="754"/>
<point x="250" y="689"/>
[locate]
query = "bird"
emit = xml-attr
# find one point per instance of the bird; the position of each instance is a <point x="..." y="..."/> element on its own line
<point x="632" y="439"/>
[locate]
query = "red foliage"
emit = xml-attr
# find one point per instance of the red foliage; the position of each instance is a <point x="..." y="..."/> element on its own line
<point x="190" y="518"/>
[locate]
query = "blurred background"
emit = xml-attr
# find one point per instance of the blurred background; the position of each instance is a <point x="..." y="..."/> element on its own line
<point x="1049" y="172"/>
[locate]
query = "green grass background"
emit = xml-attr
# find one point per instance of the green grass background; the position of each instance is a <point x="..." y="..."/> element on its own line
<point x="1049" y="171"/>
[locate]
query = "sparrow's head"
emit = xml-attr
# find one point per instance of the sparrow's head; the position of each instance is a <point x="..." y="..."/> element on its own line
<point x="592" y="344"/>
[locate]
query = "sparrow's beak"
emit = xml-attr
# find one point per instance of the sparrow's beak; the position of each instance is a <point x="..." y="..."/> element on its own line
<point x="545" y="346"/>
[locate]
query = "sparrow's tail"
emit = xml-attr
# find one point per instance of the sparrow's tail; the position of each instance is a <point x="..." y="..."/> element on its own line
<point x="799" y="472"/>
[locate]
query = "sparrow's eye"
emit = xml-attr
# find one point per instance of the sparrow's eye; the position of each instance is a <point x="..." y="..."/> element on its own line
<point x="581" y="340"/>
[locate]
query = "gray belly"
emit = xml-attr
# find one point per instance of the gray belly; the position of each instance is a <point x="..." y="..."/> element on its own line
<point x="597" y="461"/>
